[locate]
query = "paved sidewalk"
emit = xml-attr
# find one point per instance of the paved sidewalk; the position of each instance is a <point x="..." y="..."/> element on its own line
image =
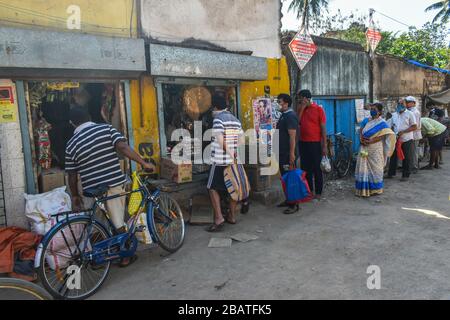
<point x="321" y="253"/>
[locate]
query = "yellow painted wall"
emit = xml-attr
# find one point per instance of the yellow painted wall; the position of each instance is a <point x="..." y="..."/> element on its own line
<point x="144" y="112"/>
<point x="101" y="17"/>
<point x="277" y="80"/>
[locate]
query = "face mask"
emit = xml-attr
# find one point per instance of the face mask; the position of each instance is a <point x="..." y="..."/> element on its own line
<point x="400" y="108"/>
<point x="373" y="113"/>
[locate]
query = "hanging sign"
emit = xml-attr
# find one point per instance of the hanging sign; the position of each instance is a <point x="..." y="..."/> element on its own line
<point x="373" y="37"/>
<point x="8" y="106"/>
<point x="61" y="86"/>
<point x="303" y="48"/>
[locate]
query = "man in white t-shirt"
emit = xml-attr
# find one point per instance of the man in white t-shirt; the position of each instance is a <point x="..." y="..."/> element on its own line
<point x="411" y="103"/>
<point x="404" y="125"/>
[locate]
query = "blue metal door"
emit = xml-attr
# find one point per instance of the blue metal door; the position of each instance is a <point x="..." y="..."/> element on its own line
<point x="346" y="121"/>
<point x="330" y="111"/>
<point x="341" y="117"/>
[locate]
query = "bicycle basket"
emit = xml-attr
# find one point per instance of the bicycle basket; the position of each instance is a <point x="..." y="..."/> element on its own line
<point x="136" y="198"/>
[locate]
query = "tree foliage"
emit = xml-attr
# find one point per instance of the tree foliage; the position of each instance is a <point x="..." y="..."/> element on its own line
<point x="444" y="11"/>
<point x="308" y="10"/>
<point x="426" y="45"/>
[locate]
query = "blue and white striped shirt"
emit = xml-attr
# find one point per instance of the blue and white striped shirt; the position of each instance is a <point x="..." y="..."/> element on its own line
<point x="227" y="125"/>
<point x="91" y="153"/>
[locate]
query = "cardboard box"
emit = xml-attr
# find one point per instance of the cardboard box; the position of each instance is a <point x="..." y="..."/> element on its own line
<point x="51" y="179"/>
<point x="181" y="173"/>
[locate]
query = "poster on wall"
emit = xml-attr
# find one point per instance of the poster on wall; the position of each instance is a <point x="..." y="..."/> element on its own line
<point x="361" y="112"/>
<point x="276" y="114"/>
<point x="8" y="107"/>
<point x="262" y="112"/>
<point x="263" y="120"/>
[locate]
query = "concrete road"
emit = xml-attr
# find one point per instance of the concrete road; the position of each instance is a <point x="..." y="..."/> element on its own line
<point x="322" y="253"/>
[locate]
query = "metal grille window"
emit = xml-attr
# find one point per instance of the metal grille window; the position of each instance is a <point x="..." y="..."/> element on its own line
<point x="2" y="198"/>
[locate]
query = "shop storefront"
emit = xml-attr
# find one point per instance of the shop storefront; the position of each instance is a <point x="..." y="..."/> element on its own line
<point x="48" y="104"/>
<point x="186" y="79"/>
<point x="52" y="71"/>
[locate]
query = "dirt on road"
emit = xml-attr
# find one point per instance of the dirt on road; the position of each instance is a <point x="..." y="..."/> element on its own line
<point x="321" y="253"/>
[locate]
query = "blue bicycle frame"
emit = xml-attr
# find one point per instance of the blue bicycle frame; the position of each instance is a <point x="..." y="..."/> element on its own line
<point x="125" y="245"/>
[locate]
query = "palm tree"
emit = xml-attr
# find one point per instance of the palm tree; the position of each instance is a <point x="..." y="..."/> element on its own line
<point x="307" y="9"/>
<point x="443" y="14"/>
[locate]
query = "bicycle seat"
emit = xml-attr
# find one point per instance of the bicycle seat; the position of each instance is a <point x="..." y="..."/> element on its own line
<point x="95" y="192"/>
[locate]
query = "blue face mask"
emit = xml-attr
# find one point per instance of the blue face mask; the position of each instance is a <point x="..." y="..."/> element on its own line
<point x="400" y="108"/>
<point x="373" y="113"/>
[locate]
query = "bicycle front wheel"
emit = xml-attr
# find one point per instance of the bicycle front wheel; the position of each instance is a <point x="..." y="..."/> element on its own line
<point x="16" y="289"/>
<point x="168" y="223"/>
<point x="65" y="269"/>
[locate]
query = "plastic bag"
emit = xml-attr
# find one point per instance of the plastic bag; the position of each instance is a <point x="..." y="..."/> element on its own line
<point x="296" y="187"/>
<point x="325" y="164"/>
<point x="136" y="198"/>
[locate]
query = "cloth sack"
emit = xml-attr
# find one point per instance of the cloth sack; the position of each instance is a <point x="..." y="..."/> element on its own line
<point x="236" y="182"/>
<point x="17" y="252"/>
<point x="39" y="209"/>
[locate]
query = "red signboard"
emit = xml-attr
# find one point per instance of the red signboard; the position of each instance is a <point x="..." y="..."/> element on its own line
<point x="373" y="37"/>
<point x="302" y="48"/>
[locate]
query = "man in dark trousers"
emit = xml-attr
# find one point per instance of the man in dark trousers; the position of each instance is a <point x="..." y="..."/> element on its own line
<point x="404" y="124"/>
<point x="287" y="128"/>
<point x="313" y="140"/>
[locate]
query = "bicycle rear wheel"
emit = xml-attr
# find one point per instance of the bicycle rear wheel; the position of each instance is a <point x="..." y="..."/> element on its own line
<point x="168" y="223"/>
<point x="16" y="289"/>
<point x="343" y="161"/>
<point x="65" y="271"/>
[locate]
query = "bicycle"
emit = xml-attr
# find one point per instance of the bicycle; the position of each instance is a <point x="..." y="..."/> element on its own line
<point x="75" y="256"/>
<point x="340" y="154"/>
<point x="17" y="289"/>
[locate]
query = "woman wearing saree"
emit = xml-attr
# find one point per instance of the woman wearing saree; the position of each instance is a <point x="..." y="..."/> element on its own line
<point x="377" y="145"/>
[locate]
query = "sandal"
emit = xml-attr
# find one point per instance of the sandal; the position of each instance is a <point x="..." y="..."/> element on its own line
<point x="292" y="210"/>
<point x="215" y="227"/>
<point x="129" y="261"/>
<point x="283" y="205"/>
<point x="230" y="221"/>
<point x="245" y="207"/>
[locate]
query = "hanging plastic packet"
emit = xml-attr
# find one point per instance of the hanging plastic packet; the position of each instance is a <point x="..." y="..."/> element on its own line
<point x="325" y="164"/>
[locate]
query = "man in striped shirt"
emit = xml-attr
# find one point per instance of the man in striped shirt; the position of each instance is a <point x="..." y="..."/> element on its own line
<point x="92" y="153"/>
<point x="227" y="130"/>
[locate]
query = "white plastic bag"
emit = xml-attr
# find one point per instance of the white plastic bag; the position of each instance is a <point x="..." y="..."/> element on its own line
<point x="325" y="164"/>
<point x="39" y="209"/>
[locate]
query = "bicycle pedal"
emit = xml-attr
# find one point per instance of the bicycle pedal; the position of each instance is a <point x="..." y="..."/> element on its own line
<point x="141" y="228"/>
